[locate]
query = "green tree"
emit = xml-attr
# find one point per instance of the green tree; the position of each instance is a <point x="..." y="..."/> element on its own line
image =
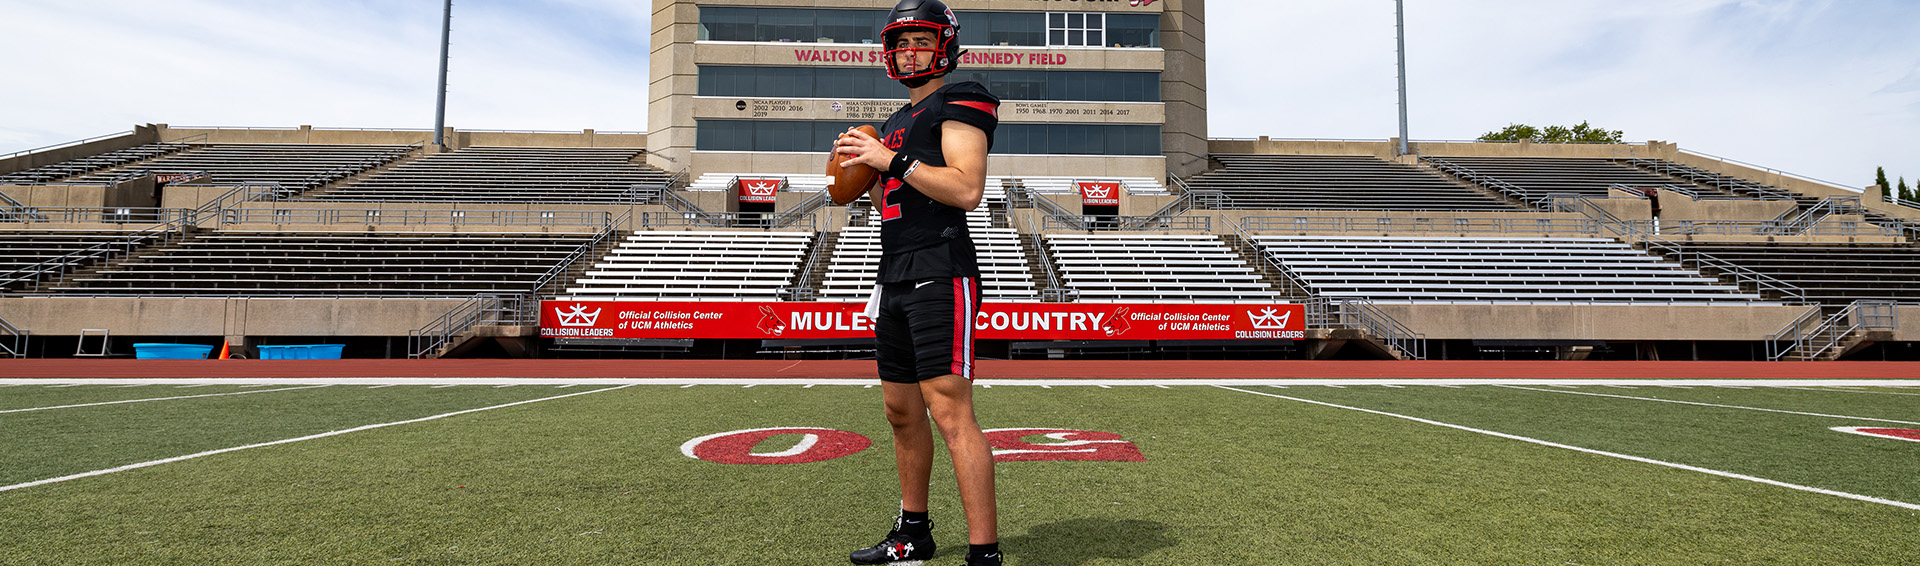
<point x="1904" y="193"/>
<point x="1582" y="133"/>
<point x="1880" y="178"/>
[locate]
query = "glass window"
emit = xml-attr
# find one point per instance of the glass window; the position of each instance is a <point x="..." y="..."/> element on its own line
<point x="1029" y="139"/>
<point x="740" y="23"/>
<point x="1133" y="30"/>
<point x="1076" y="29"/>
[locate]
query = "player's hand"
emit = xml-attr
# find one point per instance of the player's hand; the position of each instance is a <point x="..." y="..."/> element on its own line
<point x="863" y="149"/>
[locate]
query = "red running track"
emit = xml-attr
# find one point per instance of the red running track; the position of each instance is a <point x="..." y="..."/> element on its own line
<point x="988" y="369"/>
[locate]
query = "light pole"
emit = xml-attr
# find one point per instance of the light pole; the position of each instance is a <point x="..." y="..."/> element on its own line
<point x="440" y="106"/>
<point x="1400" y="25"/>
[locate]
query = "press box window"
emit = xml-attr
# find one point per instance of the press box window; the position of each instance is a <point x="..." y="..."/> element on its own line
<point x="1075" y="29"/>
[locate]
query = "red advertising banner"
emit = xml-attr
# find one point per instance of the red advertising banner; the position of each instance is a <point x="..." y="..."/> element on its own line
<point x="760" y="190"/>
<point x="996" y="321"/>
<point x="1102" y="193"/>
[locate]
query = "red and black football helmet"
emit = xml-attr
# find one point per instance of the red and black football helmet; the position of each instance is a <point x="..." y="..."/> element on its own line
<point x="922" y="15"/>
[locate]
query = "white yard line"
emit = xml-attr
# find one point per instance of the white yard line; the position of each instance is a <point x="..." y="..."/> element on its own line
<point x="1852" y="391"/>
<point x="158" y="399"/>
<point x="288" y="441"/>
<point x="1848" y="417"/>
<point x="1810" y="489"/>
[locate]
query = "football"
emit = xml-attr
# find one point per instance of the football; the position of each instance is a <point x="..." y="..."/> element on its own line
<point x="846" y="184"/>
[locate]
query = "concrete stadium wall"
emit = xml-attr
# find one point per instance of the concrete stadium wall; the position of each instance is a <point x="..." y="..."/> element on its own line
<point x="1731" y="322"/>
<point x="67" y="316"/>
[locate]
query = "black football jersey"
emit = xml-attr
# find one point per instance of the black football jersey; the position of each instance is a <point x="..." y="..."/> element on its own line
<point x="922" y="238"/>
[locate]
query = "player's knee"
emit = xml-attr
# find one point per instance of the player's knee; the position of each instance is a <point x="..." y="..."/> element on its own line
<point x="904" y="417"/>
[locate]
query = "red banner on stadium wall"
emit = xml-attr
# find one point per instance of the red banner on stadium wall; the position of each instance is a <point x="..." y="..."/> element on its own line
<point x="996" y="321"/>
<point x="1099" y="193"/>
<point x="760" y="190"/>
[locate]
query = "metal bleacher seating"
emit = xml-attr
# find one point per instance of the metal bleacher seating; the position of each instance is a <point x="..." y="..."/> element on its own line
<point x="1422" y="269"/>
<point x="506" y="174"/>
<point x="1065" y="185"/>
<point x="696" y="266"/>
<point x="1830" y="273"/>
<point x="1004" y="276"/>
<point x="296" y="167"/>
<point x="266" y="264"/>
<point x="1539" y="177"/>
<point x="1108" y="268"/>
<point x="1336" y="182"/>
<point x="24" y="252"/>
<point x="89" y="164"/>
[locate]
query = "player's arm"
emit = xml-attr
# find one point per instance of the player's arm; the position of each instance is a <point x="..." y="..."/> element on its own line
<point x="961" y="184"/>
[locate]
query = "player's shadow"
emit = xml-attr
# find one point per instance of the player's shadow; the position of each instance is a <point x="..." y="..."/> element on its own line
<point x="1076" y="541"/>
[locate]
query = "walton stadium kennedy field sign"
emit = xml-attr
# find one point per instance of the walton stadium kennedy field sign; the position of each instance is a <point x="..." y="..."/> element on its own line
<point x="996" y="321"/>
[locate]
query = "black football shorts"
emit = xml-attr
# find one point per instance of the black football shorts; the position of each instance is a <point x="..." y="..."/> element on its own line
<point x="925" y="329"/>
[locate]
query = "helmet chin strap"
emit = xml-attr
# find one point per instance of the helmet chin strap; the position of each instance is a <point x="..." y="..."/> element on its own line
<point x="916" y="82"/>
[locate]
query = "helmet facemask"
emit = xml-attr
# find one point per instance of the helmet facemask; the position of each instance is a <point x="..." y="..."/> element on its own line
<point x="946" y="43"/>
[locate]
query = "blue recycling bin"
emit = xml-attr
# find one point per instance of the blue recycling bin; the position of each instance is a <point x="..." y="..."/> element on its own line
<point x="161" y="351"/>
<point x="302" y="352"/>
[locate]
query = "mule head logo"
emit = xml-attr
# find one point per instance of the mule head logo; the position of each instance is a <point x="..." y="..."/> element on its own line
<point x="577" y="316"/>
<point x="770" y="323"/>
<point x="1117" y="323"/>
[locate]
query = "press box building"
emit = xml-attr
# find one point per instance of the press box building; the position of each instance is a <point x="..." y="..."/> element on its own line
<point x="1095" y="88"/>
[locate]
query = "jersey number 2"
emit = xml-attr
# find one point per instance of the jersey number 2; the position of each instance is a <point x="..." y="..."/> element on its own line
<point x="888" y="210"/>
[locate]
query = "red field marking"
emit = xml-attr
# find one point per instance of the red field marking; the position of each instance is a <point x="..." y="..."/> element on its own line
<point x="987" y="369"/>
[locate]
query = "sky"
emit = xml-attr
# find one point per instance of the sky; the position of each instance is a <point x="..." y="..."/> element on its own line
<point x="1825" y="89"/>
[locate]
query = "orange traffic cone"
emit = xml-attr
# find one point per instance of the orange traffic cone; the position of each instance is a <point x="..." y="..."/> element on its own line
<point x="223" y="350"/>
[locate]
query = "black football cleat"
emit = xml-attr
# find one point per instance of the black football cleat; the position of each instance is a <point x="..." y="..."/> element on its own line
<point x="900" y="548"/>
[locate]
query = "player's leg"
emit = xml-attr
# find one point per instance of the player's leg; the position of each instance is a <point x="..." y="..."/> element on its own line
<point x="911" y="538"/>
<point x="950" y="399"/>
<point x="912" y="442"/>
<point x="941" y="321"/>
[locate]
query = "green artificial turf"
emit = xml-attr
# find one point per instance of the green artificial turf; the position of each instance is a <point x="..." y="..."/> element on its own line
<point x="1229" y="478"/>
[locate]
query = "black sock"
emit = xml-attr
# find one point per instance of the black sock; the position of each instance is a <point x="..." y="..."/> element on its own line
<point x="912" y="521"/>
<point x="983" y="549"/>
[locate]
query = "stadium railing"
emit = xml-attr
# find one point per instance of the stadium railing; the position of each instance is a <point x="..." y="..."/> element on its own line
<point x="1103" y="223"/>
<point x="609" y="228"/>
<point x="496" y="309"/>
<point x="406" y="217"/>
<point x="1815" y="335"/>
<point x="13" y="340"/>
<point x="1362" y="315"/>
<point x="1442" y="224"/>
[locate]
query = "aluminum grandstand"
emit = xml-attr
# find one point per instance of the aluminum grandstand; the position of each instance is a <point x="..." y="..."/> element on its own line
<point x="1462" y="251"/>
<point x="1113" y="225"/>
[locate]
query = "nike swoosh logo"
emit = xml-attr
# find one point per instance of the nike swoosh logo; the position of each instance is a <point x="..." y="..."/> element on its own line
<point x="922" y="284"/>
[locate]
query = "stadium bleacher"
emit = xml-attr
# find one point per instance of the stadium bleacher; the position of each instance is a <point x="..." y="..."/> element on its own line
<point x="1830" y="273"/>
<point x="1198" y="268"/>
<point x="742" y="265"/>
<point x="395" y="264"/>
<point x="295" y="167"/>
<point x="1004" y="272"/>
<point x="84" y="165"/>
<point x="23" y="253"/>
<point x="1340" y="182"/>
<point x="1490" y="269"/>
<point x="1539" y="177"/>
<point x="506" y="174"/>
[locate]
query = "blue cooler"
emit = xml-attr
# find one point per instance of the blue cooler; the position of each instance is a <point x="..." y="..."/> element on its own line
<point x="159" y="351"/>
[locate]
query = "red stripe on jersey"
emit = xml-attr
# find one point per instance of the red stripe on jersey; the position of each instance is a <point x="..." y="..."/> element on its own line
<point x="987" y="107"/>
